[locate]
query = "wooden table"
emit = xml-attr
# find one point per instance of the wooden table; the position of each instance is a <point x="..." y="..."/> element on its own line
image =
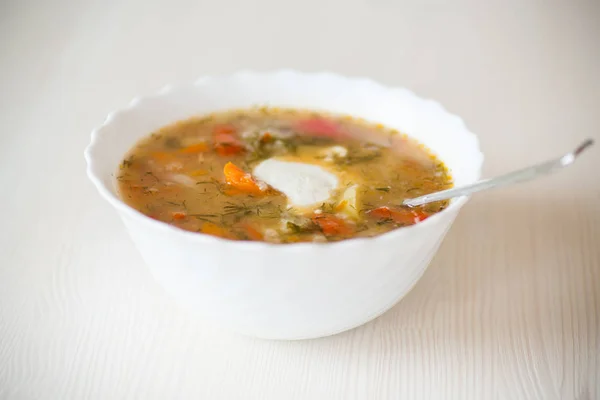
<point x="509" y="308"/>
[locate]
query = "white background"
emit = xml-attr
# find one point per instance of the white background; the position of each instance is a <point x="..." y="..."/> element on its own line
<point x="510" y="306"/>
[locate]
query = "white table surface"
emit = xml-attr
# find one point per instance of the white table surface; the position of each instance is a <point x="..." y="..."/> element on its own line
<point x="508" y="309"/>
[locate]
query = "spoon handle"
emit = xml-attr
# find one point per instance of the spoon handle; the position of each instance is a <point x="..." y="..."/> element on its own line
<point x="521" y="175"/>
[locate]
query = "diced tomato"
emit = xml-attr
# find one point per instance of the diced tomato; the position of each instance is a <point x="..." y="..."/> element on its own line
<point x="420" y="215"/>
<point x="226" y="141"/>
<point x="319" y="127"/>
<point x="399" y="216"/>
<point x="224" y="130"/>
<point x="332" y="225"/>
<point x="179" y="215"/>
<point x="241" y="180"/>
<point x="213" y="229"/>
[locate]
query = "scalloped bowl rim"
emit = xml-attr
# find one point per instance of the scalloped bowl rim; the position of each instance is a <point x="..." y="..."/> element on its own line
<point x="201" y="238"/>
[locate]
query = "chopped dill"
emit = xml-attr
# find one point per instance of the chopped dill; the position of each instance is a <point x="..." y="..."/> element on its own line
<point x="126" y="163"/>
<point x="292" y="227"/>
<point x="358" y="159"/>
<point x="205" y="219"/>
<point x="204" y="215"/>
<point x="172" y="142"/>
<point x="152" y="175"/>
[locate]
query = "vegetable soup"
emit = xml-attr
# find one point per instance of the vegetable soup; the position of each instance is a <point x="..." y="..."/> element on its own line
<point x="281" y="176"/>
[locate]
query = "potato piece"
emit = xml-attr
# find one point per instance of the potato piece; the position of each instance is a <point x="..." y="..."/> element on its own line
<point x="349" y="203"/>
<point x="331" y="154"/>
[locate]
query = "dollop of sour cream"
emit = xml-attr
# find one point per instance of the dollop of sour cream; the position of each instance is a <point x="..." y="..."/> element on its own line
<point x="304" y="184"/>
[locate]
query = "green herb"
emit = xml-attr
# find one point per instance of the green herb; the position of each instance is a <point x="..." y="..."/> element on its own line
<point x="383" y="189"/>
<point x="290" y="145"/>
<point x="263" y="210"/>
<point x="242" y="209"/>
<point x="206" y="119"/>
<point x="361" y="228"/>
<point x="368" y="207"/>
<point x="328" y="208"/>
<point x="354" y="159"/>
<point x="292" y="227"/>
<point x="172" y="143"/>
<point x="152" y="175"/>
<point x="260" y="149"/>
<point x="241" y="235"/>
<point x="126" y="163"/>
<point x="218" y="186"/>
<point x="205" y="217"/>
<point x="308" y="140"/>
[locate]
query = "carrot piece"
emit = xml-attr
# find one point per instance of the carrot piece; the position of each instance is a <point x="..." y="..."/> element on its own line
<point x="341" y="205"/>
<point x="199" y="172"/>
<point x="241" y="180"/>
<point x="401" y="216"/>
<point x="381" y="213"/>
<point x="195" y="148"/>
<point x="226" y="142"/>
<point x="252" y="232"/>
<point x="163" y="156"/>
<point x="179" y="215"/>
<point x="292" y="239"/>
<point x="213" y="229"/>
<point x="331" y="225"/>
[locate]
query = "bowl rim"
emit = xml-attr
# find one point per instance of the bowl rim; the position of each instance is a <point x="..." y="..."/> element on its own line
<point x="206" y="239"/>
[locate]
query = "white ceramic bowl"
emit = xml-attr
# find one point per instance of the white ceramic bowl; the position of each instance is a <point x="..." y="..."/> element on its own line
<point x="292" y="291"/>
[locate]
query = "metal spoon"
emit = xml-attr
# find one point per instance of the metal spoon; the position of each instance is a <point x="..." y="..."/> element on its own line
<point x="521" y="175"/>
